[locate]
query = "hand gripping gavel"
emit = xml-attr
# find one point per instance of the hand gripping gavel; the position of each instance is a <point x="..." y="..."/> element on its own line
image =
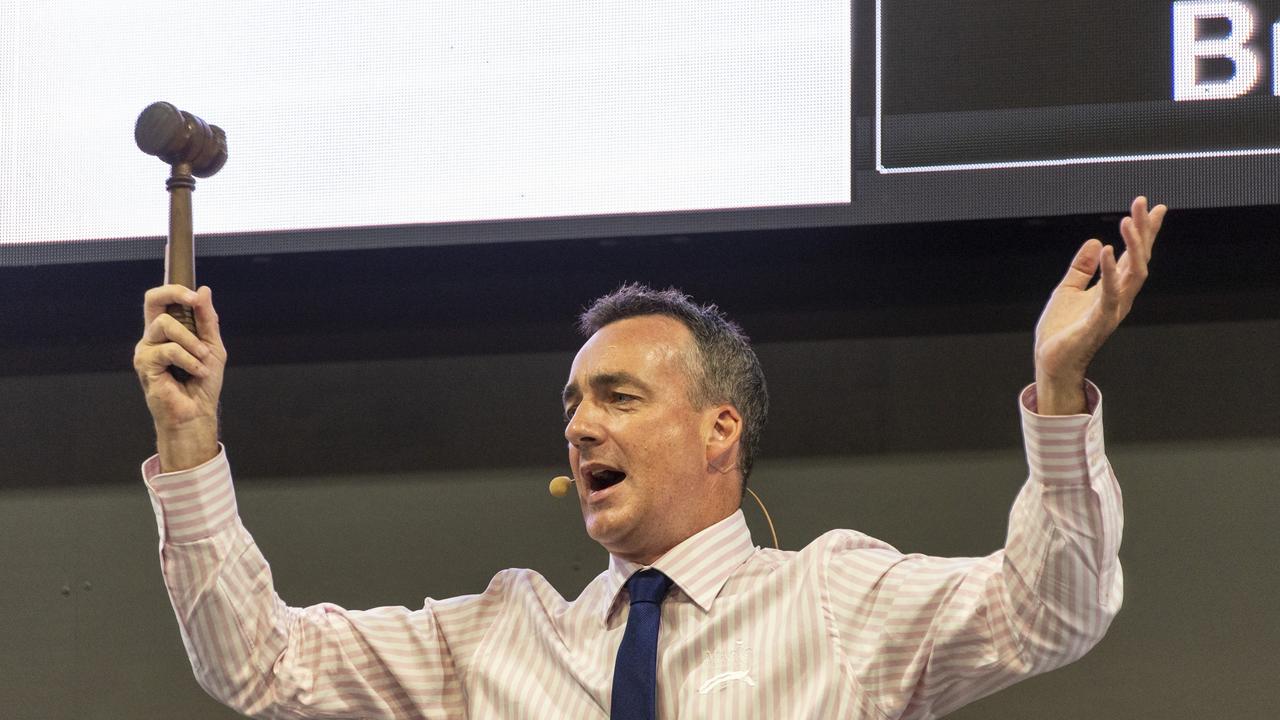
<point x="194" y="149"/>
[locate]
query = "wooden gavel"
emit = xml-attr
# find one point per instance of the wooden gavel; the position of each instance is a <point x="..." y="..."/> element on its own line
<point x="194" y="149"/>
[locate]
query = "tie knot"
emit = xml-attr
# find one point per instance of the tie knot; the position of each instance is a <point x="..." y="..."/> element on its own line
<point x="649" y="586"/>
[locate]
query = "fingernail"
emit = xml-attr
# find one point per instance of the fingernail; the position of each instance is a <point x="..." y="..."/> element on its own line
<point x="189" y="298"/>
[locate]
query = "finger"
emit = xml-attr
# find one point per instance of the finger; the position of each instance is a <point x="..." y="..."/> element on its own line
<point x="176" y="355"/>
<point x="1083" y="266"/>
<point x="1138" y="209"/>
<point x="1110" y="280"/>
<point x="165" y="329"/>
<point x="1139" y="214"/>
<point x="1154" y="223"/>
<point x="207" y="317"/>
<point x="1148" y="222"/>
<point x="157" y="299"/>
<point x="1137" y="251"/>
<point x="155" y="360"/>
<point x="1139" y="231"/>
<point x="1137" y="217"/>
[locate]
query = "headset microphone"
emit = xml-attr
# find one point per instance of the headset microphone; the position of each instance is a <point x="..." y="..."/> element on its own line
<point x="560" y="485"/>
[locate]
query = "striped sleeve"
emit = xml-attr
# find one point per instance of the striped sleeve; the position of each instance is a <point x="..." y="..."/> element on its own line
<point x="192" y="504"/>
<point x="251" y="651"/>
<point x="1064" y="537"/>
<point x="924" y="636"/>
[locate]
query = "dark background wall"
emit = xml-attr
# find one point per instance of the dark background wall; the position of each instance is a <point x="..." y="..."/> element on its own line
<point x="393" y="418"/>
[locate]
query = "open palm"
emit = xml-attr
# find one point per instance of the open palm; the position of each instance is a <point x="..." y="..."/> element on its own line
<point x="1078" y="318"/>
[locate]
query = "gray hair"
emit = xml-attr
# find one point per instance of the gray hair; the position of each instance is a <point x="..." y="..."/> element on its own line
<point x="726" y="369"/>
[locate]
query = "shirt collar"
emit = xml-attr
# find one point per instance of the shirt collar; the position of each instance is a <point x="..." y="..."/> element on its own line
<point x="699" y="566"/>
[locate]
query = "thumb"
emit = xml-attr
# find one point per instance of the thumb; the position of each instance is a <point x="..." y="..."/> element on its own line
<point x="1083" y="266"/>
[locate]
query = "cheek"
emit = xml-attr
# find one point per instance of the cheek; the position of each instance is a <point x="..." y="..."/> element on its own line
<point x="675" y="445"/>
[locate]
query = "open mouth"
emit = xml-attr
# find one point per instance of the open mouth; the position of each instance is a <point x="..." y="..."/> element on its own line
<point x="604" y="478"/>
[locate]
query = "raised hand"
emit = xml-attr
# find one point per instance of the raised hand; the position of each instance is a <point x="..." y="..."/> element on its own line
<point x="185" y="413"/>
<point x="1078" y="318"/>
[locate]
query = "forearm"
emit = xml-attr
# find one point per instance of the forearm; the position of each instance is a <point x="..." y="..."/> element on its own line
<point x="188" y="445"/>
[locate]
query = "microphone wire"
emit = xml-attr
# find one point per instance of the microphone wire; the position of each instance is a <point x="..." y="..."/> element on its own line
<point x="765" y="510"/>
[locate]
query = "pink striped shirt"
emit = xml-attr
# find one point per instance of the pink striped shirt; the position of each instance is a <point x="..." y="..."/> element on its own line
<point x="848" y="627"/>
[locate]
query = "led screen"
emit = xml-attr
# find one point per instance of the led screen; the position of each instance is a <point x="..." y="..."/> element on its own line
<point x="392" y="113"/>
<point x="377" y="124"/>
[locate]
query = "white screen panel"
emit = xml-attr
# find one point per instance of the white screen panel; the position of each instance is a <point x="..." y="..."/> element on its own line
<point x="389" y="113"/>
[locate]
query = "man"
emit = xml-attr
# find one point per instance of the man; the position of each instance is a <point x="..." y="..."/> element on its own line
<point x="664" y="405"/>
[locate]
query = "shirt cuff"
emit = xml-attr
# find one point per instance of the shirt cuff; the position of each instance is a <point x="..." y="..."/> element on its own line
<point x="1064" y="449"/>
<point x="192" y="504"/>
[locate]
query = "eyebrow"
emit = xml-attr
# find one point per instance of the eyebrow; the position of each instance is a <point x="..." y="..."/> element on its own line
<point x="603" y="381"/>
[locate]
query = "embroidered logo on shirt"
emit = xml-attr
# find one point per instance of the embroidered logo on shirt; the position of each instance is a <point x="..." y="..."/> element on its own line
<point x="731" y="667"/>
<point x="724" y="679"/>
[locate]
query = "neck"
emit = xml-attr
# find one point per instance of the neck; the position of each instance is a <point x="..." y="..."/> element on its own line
<point x="648" y="556"/>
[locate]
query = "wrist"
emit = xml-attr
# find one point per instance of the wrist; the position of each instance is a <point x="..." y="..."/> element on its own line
<point x="187" y="446"/>
<point x="1060" y="397"/>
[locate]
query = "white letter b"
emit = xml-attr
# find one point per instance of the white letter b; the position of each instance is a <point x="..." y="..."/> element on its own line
<point x="1187" y="49"/>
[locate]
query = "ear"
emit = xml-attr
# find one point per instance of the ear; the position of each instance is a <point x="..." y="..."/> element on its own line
<point x="722" y="431"/>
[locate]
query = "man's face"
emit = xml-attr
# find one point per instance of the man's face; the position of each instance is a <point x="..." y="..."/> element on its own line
<point x="637" y="446"/>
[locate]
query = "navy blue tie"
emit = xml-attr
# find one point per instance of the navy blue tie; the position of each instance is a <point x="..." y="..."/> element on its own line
<point x="635" y="687"/>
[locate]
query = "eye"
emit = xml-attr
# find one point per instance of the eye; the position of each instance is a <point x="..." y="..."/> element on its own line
<point x="568" y="413"/>
<point x="618" y="397"/>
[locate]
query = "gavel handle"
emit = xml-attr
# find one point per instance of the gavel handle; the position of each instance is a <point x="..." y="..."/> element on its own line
<point x="180" y="251"/>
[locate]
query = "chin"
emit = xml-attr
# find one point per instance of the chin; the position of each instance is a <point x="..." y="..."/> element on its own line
<point x="609" y="532"/>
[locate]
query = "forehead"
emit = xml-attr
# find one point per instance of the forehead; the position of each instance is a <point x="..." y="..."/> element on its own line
<point x="648" y="346"/>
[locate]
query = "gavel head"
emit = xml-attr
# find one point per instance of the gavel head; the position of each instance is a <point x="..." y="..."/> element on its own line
<point x="178" y="137"/>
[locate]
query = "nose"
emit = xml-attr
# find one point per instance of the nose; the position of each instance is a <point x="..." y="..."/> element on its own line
<point x="583" y="429"/>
